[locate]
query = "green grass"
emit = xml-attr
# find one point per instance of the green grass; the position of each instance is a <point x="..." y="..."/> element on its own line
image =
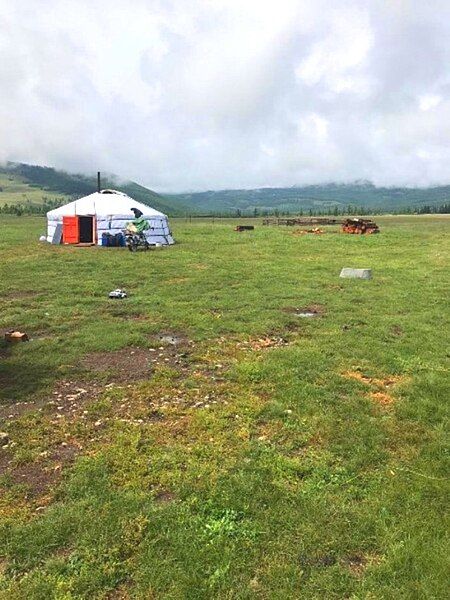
<point x="319" y="467"/>
<point x="15" y="190"/>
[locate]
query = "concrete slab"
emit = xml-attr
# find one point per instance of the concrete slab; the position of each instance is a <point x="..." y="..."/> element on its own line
<point x="356" y="273"/>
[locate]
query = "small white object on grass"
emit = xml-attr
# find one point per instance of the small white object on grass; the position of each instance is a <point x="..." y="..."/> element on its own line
<point x="356" y="273"/>
<point x="120" y="294"/>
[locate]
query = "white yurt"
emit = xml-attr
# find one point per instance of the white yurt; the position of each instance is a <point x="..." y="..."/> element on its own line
<point x="85" y="221"/>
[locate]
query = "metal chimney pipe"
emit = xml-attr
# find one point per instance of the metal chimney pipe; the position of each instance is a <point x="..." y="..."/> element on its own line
<point x="98" y="181"/>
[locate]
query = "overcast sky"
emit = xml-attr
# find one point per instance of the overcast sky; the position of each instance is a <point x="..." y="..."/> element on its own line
<point x="209" y="94"/>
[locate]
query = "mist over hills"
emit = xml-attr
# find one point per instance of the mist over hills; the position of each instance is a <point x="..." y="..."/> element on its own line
<point x="331" y="196"/>
<point x="36" y="186"/>
<point x="24" y="184"/>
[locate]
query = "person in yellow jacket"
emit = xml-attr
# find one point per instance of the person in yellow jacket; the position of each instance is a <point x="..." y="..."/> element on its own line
<point x="139" y="222"/>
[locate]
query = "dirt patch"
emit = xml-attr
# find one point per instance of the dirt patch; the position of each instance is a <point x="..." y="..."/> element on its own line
<point x="263" y="343"/>
<point x="5" y="460"/>
<point x="41" y="476"/>
<point x="128" y="364"/>
<point x="67" y="397"/>
<point x="133" y="363"/>
<point x="358" y="563"/>
<point x="380" y="394"/>
<point x="382" y="383"/>
<point x="12" y="411"/>
<point x="64" y="453"/>
<point x="164" y="496"/>
<point x="325" y="560"/>
<point x="381" y="398"/>
<point x="120" y="593"/>
<point x="396" y="330"/>
<point x="173" y="339"/>
<point x="312" y="310"/>
<point x="37" y="477"/>
<point x="18" y="294"/>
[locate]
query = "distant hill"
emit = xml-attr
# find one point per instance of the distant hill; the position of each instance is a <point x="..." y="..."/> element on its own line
<point x="43" y="188"/>
<point x="327" y="197"/>
<point x="31" y="185"/>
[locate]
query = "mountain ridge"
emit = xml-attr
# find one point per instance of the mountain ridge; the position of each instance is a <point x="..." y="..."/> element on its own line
<point x="21" y="184"/>
<point x="37" y="189"/>
<point x="319" y="196"/>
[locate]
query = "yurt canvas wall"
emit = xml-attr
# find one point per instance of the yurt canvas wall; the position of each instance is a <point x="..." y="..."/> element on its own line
<point x="110" y="211"/>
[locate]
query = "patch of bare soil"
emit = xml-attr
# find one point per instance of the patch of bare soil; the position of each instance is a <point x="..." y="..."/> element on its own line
<point x="37" y="477"/>
<point x="382" y="383"/>
<point x="358" y="563"/>
<point x="396" y="330"/>
<point x="67" y="397"/>
<point x="120" y="593"/>
<point x="381" y="398"/>
<point x="41" y="476"/>
<point x="5" y="460"/>
<point x="325" y="560"/>
<point x="263" y="343"/>
<point x="380" y="394"/>
<point x="64" y="453"/>
<point x="312" y="310"/>
<point x="134" y="363"/>
<point x="18" y="294"/>
<point x="127" y="364"/>
<point x="164" y="496"/>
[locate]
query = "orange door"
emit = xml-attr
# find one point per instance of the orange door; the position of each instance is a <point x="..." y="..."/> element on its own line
<point x="71" y="230"/>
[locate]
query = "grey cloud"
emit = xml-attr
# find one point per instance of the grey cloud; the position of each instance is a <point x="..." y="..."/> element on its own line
<point x="212" y="94"/>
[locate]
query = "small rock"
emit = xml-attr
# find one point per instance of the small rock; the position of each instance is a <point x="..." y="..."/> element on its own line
<point x="4" y="438"/>
<point x="356" y="273"/>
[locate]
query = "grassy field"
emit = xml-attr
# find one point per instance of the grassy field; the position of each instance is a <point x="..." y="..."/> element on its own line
<point x="14" y="191"/>
<point x="201" y="440"/>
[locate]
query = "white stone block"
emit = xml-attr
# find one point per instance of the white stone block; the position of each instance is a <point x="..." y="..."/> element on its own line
<point x="356" y="273"/>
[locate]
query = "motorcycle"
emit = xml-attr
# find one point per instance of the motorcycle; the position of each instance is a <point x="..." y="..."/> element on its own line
<point x="135" y="240"/>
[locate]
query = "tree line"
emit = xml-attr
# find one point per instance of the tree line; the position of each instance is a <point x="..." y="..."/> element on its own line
<point x="28" y="208"/>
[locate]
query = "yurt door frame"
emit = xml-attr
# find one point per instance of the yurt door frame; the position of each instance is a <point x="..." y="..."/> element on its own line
<point x="79" y="229"/>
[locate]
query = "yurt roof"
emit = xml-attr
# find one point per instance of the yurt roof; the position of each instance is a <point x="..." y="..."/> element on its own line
<point x="104" y="203"/>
